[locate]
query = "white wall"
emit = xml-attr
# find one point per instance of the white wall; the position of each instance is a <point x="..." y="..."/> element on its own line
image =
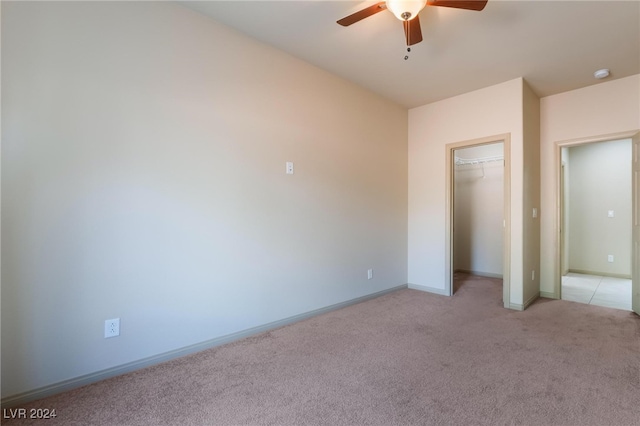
<point x="602" y="109"/>
<point x="143" y="178"/>
<point x="483" y="113"/>
<point x="601" y="177"/>
<point x="478" y="212"/>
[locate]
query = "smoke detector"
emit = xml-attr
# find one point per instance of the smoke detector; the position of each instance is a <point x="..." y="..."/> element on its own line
<point x="600" y="74"/>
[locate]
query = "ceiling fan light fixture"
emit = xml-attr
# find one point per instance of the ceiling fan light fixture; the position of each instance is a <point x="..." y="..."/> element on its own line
<point x="406" y="10"/>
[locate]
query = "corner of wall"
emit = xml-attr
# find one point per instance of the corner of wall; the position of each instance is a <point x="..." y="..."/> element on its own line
<point x="531" y="193"/>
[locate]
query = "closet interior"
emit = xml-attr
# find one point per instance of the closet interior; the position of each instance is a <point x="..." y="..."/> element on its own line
<point x="478" y="211"/>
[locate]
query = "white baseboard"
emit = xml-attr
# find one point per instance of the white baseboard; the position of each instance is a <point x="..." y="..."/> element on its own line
<point x="515" y="306"/>
<point x="531" y="300"/>
<point x="43" y="392"/>
<point x="428" y="289"/>
<point x="600" y="274"/>
<point x="519" y="307"/>
<point x="548" y="295"/>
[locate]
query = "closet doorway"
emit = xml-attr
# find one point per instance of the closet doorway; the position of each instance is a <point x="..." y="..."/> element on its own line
<point x="478" y="213"/>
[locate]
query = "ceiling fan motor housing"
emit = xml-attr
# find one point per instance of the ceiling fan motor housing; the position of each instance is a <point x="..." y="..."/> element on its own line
<point x="405" y="9"/>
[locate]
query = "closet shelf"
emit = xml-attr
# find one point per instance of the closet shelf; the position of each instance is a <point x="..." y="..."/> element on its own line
<point x="465" y="161"/>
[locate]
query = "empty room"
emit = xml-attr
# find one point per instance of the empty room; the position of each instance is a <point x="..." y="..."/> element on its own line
<point x="318" y="212"/>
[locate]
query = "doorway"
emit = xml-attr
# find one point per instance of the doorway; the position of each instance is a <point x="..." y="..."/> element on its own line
<point x="478" y="200"/>
<point x="597" y="221"/>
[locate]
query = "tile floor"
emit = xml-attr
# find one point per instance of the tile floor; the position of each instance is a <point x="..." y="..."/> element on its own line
<point x="596" y="290"/>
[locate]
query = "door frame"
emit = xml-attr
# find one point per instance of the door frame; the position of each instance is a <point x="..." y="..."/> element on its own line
<point x="563" y="210"/>
<point x="635" y="214"/>
<point x="449" y="207"/>
<point x="634" y="135"/>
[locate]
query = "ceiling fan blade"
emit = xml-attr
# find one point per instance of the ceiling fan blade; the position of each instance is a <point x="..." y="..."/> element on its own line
<point x="364" y="13"/>
<point x="460" y="4"/>
<point x="412" y="31"/>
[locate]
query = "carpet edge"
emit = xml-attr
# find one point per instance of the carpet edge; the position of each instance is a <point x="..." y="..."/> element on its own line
<point x="87" y="379"/>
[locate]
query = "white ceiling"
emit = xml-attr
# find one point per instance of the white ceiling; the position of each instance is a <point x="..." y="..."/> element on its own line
<point x="555" y="45"/>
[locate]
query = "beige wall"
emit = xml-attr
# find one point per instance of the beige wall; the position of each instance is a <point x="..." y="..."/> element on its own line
<point x="594" y="111"/>
<point x="491" y="111"/>
<point x="143" y="177"/>
<point x="531" y="195"/>
<point x="600" y="177"/>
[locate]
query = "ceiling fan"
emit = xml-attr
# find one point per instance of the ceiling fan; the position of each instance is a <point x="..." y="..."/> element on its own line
<point x="407" y="11"/>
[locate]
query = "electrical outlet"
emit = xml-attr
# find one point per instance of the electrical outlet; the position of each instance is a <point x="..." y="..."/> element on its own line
<point x="112" y="328"/>
<point x="289" y="167"/>
<point x="369" y="274"/>
<point x="610" y="258"/>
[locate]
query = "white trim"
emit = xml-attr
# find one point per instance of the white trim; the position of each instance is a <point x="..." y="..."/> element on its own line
<point x="427" y="289"/>
<point x="506" y="244"/>
<point x="531" y="300"/>
<point x="557" y="278"/>
<point x="519" y="307"/>
<point x="599" y="274"/>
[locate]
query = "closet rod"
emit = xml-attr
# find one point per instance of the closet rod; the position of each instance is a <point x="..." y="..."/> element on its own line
<point x="465" y="161"/>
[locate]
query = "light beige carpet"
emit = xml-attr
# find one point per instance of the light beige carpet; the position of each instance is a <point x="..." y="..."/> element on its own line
<point x="407" y="358"/>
